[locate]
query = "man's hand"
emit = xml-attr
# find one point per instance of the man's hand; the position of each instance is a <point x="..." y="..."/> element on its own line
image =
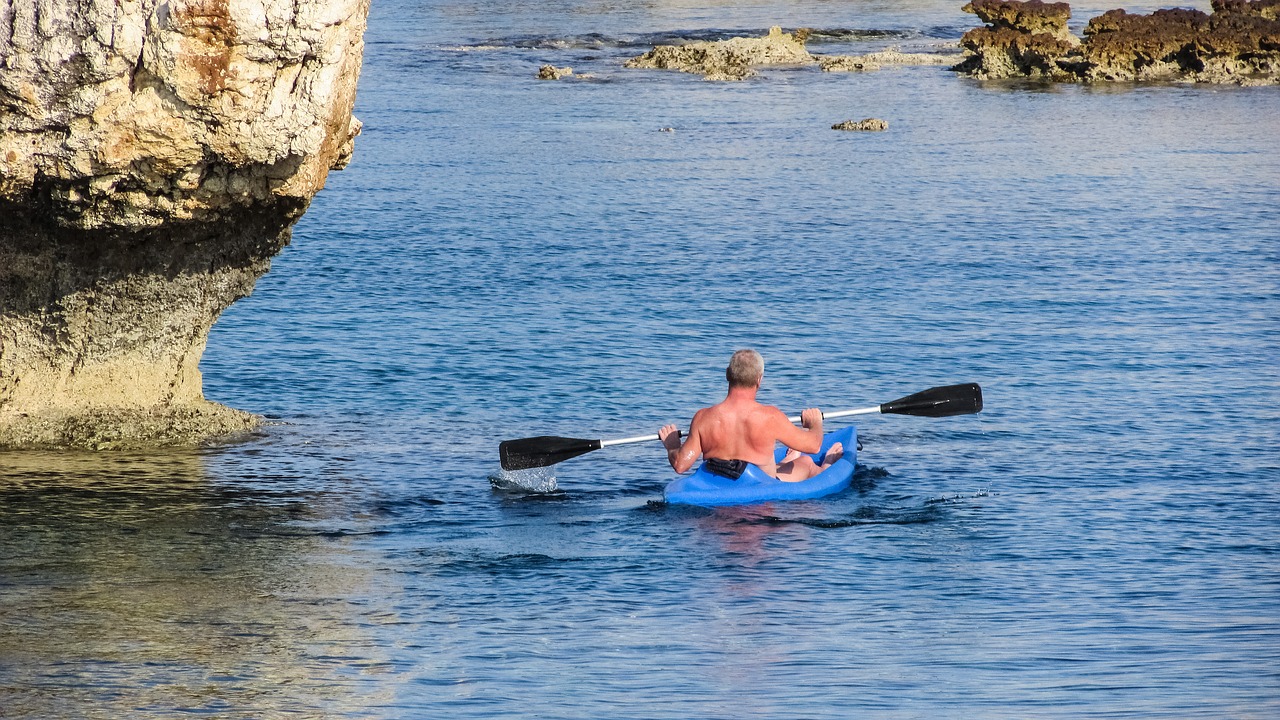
<point x="670" y="436"/>
<point x="811" y="419"/>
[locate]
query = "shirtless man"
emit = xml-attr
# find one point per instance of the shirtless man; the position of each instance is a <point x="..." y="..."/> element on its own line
<point x="739" y="428"/>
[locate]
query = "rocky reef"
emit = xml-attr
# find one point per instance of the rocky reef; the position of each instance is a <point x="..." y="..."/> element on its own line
<point x="1238" y="43"/>
<point x="732" y="59"/>
<point x="154" y="156"/>
<point x="737" y="58"/>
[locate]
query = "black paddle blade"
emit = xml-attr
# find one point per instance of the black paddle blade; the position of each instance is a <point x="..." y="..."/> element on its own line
<point x="945" y="401"/>
<point x="536" y="452"/>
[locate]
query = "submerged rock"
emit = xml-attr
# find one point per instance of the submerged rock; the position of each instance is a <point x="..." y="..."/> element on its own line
<point x="876" y="60"/>
<point x="154" y="156"/>
<point x="1238" y="43"/>
<point x="732" y="59"/>
<point x="847" y="63"/>
<point x="866" y="125"/>
<point x="551" y="72"/>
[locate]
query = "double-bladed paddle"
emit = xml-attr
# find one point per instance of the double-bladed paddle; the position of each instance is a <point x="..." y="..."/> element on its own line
<point x="544" y="450"/>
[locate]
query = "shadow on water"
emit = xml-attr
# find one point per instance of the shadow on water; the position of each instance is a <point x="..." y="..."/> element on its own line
<point x="864" y="482"/>
<point x="772" y="514"/>
<point x="115" y="567"/>
<point x="1033" y="86"/>
<point x="868" y="515"/>
<point x="464" y="563"/>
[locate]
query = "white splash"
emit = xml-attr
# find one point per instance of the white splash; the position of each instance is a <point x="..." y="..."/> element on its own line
<point x="537" y="480"/>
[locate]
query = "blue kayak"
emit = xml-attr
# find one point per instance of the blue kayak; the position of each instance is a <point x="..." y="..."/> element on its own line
<point x="706" y="488"/>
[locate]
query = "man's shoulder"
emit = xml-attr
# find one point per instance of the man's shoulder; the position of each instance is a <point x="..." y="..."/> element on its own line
<point x="769" y="411"/>
<point x="776" y="420"/>
<point x="703" y="415"/>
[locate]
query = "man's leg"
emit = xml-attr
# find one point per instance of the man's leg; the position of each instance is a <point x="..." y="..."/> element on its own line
<point x="803" y="468"/>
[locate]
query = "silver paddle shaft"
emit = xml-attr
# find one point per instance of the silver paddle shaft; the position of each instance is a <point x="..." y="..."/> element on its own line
<point x="794" y="419"/>
<point x="840" y="414"/>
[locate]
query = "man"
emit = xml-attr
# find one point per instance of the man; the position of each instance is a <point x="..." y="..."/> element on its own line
<point x="739" y="428"/>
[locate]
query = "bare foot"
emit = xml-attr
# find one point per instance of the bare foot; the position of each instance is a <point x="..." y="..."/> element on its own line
<point x="790" y="456"/>
<point x="834" y="453"/>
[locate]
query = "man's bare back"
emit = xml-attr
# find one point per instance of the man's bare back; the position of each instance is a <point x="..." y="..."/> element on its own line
<point x="739" y="428"/>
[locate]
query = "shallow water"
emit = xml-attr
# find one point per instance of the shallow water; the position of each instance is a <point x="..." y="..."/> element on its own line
<point x="508" y="257"/>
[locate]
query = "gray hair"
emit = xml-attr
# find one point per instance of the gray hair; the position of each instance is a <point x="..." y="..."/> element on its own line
<point x="746" y="367"/>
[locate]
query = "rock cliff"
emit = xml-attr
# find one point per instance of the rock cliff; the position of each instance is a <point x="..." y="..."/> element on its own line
<point x="1239" y="43"/>
<point x="154" y="155"/>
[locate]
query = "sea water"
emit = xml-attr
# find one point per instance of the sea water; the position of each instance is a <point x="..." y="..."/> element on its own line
<point x="508" y="257"/>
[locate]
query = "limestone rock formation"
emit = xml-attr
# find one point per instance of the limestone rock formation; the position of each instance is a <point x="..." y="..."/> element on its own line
<point x="1021" y="39"/>
<point x="1238" y="43"/>
<point x="866" y="125"/>
<point x="1033" y="16"/>
<point x="732" y="59"/>
<point x="154" y="155"/>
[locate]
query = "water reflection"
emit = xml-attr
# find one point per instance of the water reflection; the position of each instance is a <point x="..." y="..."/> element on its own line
<point x="140" y="585"/>
<point x="742" y="533"/>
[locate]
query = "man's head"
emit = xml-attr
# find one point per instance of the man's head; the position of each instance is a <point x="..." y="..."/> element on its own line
<point x="746" y="367"/>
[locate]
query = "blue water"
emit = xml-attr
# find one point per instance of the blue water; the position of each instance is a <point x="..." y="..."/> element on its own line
<point x="507" y="257"/>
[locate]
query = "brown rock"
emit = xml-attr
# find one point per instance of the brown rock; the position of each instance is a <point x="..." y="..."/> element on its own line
<point x="1034" y="17"/>
<point x="1236" y="43"/>
<point x="1266" y="9"/>
<point x="1004" y="52"/>
<point x="1239" y="43"/>
<point x="1121" y="46"/>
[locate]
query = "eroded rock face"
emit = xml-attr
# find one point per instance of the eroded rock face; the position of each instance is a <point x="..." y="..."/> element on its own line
<point x="154" y="156"/>
<point x="1034" y="17"/>
<point x="1238" y="43"/>
<point x="1021" y="39"/>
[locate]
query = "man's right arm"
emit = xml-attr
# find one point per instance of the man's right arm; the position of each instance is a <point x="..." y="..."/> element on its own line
<point x="807" y="439"/>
